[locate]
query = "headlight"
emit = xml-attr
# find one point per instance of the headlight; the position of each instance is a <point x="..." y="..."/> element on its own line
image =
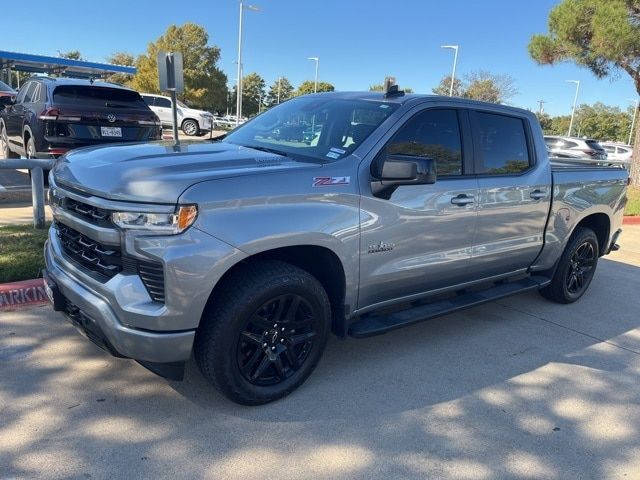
<point x="161" y="223"/>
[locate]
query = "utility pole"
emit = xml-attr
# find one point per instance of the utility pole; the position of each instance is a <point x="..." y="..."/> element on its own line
<point x="541" y="104"/>
<point x="455" y="62"/>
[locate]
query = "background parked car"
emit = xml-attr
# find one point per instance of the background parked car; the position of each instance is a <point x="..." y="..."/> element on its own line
<point x="6" y="91"/>
<point x="50" y="116"/>
<point x="191" y="120"/>
<point x="617" y="151"/>
<point x="588" y="147"/>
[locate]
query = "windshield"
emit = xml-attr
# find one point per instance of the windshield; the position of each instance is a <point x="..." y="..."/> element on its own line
<point x="321" y="128"/>
<point x="181" y="104"/>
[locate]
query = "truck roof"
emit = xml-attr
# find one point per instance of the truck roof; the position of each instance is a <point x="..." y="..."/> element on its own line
<point x="413" y="98"/>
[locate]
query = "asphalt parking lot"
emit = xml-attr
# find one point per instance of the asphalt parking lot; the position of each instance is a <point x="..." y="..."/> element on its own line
<point x="520" y="388"/>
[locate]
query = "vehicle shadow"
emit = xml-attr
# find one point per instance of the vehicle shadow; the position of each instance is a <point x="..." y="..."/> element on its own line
<point x="517" y="388"/>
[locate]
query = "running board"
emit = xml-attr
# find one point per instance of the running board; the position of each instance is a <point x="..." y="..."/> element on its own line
<point x="376" y="324"/>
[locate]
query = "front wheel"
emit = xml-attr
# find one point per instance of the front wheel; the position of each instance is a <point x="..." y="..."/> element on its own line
<point x="4" y="144"/>
<point x="190" y="127"/>
<point x="264" y="332"/>
<point x="576" y="268"/>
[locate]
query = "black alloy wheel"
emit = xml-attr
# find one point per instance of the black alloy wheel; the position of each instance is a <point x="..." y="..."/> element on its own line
<point x="277" y="340"/>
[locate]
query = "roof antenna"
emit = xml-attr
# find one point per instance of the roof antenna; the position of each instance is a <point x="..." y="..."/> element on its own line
<point x="391" y="89"/>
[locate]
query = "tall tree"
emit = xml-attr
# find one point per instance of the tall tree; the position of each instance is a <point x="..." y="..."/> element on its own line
<point x="444" y="87"/>
<point x="123" y="59"/>
<point x="204" y="83"/>
<point x="253" y="86"/>
<point x="308" y="86"/>
<point x="602" y="35"/>
<point x="72" y="55"/>
<point x="489" y="87"/>
<point x="281" y="85"/>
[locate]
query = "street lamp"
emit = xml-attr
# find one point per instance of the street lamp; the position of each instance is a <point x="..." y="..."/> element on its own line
<point x="575" y="101"/>
<point x="633" y="121"/>
<point x="317" y="60"/>
<point x="279" y="78"/>
<point x="243" y="7"/>
<point x="455" y="62"/>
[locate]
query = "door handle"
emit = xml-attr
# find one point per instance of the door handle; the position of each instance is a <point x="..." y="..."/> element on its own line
<point x="462" y="200"/>
<point x="538" y="194"/>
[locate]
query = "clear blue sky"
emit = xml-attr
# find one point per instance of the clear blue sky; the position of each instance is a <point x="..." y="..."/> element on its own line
<point x="358" y="42"/>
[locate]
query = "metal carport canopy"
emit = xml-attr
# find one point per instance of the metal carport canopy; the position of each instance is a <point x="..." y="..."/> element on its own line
<point x="26" y="62"/>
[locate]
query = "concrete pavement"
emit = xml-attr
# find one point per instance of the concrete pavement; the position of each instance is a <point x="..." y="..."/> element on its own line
<point x="520" y="388"/>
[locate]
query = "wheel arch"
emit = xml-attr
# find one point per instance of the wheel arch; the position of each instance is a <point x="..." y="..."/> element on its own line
<point x="319" y="261"/>
<point x="600" y="224"/>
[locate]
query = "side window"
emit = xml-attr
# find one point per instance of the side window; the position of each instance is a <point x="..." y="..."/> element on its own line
<point x="148" y="100"/>
<point x="22" y="92"/>
<point x="40" y="94"/>
<point x="28" y="95"/>
<point x="568" y="144"/>
<point x="433" y="134"/>
<point x="163" y="102"/>
<point x="502" y="144"/>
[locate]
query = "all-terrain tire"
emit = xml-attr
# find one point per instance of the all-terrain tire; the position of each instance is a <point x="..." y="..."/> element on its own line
<point x="575" y="269"/>
<point x="243" y="301"/>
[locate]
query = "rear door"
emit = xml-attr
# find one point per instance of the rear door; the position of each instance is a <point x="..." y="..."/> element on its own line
<point x="514" y="193"/>
<point x="163" y="110"/>
<point x="420" y="238"/>
<point x="16" y="113"/>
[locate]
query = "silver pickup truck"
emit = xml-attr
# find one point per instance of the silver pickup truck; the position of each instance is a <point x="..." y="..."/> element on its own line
<point x="351" y="213"/>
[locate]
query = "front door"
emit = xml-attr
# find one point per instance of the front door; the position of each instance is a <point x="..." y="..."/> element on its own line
<point x="420" y="239"/>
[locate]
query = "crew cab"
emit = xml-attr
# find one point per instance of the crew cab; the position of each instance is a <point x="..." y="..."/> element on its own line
<point x="50" y="116"/>
<point x="250" y="250"/>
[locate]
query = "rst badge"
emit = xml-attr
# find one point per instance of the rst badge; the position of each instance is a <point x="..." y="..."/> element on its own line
<point x="330" y="181"/>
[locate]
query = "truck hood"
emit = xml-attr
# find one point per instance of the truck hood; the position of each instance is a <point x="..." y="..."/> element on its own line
<point x="159" y="172"/>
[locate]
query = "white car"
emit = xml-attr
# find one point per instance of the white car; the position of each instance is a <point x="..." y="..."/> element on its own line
<point x="190" y="120"/>
<point x="617" y="151"/>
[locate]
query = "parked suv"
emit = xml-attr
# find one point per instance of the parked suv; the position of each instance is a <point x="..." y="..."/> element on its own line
<point x="587" y="147"/>
<point x="618" y="151"/>
<point x="191" y="120"/>
<point x="50" y="116"/>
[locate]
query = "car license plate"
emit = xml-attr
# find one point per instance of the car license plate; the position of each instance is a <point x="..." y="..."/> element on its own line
<point x="111" y="131"/>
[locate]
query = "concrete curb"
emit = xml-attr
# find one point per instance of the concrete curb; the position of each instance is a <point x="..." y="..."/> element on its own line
<point x="631" y="220"/>
<point x="25" y="293"/>
<point x="18" y="195"/>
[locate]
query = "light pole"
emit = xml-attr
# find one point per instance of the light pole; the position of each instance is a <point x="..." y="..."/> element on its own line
<point x="243" y="7"/>
<point x="279" y="78"/>
<point x="575" y="101"/>
<point x="317" y="60"/>
<point x="455" y="62"/>
<point x="633" y="120"/>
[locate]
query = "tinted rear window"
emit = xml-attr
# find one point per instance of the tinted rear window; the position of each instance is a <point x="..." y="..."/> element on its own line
<point x="97" y="96"/>
<point x="502" y="142"/>
<point x="5" y="88"/>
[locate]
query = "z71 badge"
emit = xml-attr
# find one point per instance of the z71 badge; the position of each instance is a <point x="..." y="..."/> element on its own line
<point x="329" y="181"/>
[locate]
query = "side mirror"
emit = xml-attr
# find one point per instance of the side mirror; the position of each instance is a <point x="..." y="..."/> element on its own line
<point x="396" y="170"/>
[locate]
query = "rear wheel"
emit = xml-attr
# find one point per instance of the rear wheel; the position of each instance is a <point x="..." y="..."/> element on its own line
<point x="576" y="268"/>
<point x="4" y="144"/>
<point x="264" y="332"/>
<point x="190" y="127"/>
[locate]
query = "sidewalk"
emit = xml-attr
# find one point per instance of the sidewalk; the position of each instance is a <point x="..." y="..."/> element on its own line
<point x="11" y="214"/>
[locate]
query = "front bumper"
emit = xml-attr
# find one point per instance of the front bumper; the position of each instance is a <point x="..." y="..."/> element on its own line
<point x="95" y="318"/>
